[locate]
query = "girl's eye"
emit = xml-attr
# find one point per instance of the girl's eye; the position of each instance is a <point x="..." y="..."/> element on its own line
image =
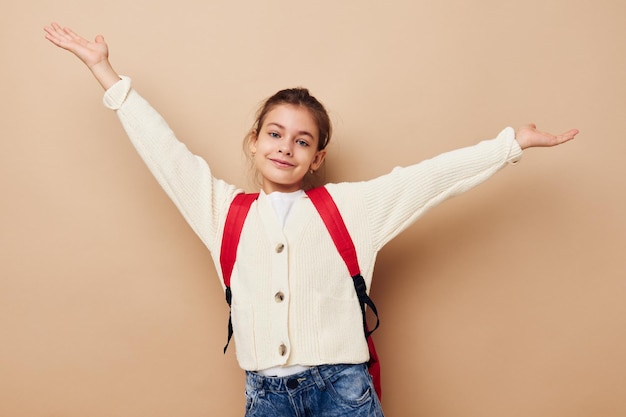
<point x="274" y="135"/>
<point x="302" y="142"/>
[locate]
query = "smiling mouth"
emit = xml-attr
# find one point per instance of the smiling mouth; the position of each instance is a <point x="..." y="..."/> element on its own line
<point x="280" y="163"/>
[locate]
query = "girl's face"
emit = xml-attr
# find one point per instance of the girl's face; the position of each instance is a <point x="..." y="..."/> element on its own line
<point x="285" y="148"/>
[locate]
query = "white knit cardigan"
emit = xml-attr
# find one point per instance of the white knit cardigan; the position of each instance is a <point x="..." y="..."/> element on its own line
<point x="317" y="320"/>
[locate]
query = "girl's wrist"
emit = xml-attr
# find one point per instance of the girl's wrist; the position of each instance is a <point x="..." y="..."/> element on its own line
<point x="105" y="74"/>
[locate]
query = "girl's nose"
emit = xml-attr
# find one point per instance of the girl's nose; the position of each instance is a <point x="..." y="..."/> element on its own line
<point x="285" y="150"/>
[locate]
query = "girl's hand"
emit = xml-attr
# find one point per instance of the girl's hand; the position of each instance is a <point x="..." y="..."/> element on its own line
<point x="528" y="137"/>
<point x="93" y="54"/>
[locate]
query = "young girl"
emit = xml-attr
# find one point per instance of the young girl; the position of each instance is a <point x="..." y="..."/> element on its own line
<point x="297" y="324"/>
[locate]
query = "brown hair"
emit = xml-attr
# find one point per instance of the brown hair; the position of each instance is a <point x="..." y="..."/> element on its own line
<point x="297" y="97"/>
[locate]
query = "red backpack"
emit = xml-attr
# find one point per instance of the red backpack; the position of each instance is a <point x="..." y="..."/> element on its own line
<point x="329" y="213"/>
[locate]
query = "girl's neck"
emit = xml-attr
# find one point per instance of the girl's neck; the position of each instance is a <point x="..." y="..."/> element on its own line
<point x="286" y="193"/>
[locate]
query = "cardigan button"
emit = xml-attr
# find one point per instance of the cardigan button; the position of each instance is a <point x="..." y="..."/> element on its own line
<point x="282" y="350"/>
<point x="279" y="297"/>
<point x="280" y="247"/>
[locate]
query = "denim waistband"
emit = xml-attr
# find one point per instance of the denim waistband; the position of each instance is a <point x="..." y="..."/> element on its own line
<point x="292" y="383"/>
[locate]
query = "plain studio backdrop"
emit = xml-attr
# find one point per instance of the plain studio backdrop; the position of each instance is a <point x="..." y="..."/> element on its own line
<point x="506" y="301"/>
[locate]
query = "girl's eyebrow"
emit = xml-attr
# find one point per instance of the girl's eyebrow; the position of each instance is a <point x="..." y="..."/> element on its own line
<point x="301" y="132"/>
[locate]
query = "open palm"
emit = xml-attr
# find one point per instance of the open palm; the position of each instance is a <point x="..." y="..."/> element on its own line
<point x="528" y="136"/>
<point x="91" y="53"/>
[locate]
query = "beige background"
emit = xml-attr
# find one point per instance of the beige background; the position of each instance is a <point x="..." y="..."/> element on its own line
<point x="506" y="301"/>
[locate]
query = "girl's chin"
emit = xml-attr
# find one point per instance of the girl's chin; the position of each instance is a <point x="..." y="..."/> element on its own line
<point x="270" y="187"/>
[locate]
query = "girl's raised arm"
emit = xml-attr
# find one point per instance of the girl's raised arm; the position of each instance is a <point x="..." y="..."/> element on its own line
<point x="93" y="54"/>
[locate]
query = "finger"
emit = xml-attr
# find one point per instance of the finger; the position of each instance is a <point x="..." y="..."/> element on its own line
<point x="48" y="31"/>
<point x="59" y="32"/>
<point x="61" y="38"/>
<point x="72" y="34"/>
<point x="567" y="136"/>
<point x="53" y="36"/>
<point x="51" y="30"/>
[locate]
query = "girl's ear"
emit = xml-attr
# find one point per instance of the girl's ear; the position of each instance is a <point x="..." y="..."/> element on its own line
<point x="318" y="159"/>
<point x="253" y="138"/>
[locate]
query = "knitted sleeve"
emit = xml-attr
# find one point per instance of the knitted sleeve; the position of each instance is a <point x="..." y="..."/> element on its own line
<point x="396" y="200"/>
<point x="185" y="177"/>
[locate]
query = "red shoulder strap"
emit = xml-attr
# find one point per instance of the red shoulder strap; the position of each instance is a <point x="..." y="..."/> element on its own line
<point x="325" y="205"/>
<point x="329" y="213"/>
<point x="235" y="218"/>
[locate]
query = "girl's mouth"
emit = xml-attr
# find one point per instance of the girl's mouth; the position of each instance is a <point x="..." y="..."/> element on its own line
<point x="281" y="163"/>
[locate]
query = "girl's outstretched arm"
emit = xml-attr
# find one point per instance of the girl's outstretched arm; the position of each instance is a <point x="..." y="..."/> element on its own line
<point x="528" y="137"/>
<point x="93" y="54"/>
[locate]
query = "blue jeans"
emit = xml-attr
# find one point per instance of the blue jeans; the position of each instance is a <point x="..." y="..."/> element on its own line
<point x="327" y="390"/>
